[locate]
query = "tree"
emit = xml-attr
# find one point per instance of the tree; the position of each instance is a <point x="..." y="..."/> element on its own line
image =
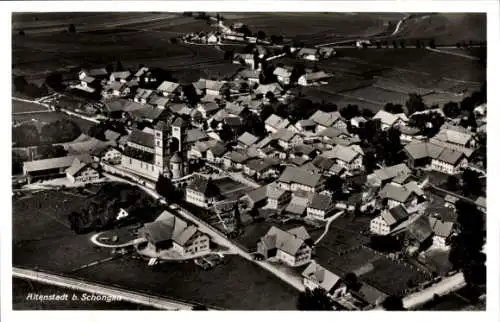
<point x="298" y="70"/>
<point x="432" y="44"/>
<point x="393" y="303"/>
<point x="166" y="189"/>
<point x="119" y="66"/>
<point x="21" y="32"/>
<point x="350" y="111"/>
<point x="471" y="183"/>
<point x="415" y="103"/>
<point x="228" y="55"/>
<point x="315" y="300"/>
<point x="394" y="44"/>
<point x="47" y="151"/>
<point x="451" y="110"/>
<point x="393" y="108"/>
<point x="261" y="35"/>
<point x="402" y="43"/>
<point x="370" y="162"/>
<point x="452" y="183"/>
<point x="351" y="281"/>
<point x="71" y="28"/>
<point x="226" y="134"/>
<point x="334" y="184"/>
<point x="466" y="247"/>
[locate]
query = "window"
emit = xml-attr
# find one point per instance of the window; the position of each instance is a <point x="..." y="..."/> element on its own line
<point x="158" y="134"/>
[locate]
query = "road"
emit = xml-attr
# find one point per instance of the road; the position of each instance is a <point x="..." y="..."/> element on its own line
<point x="218" y="237"/>
<point x="101" y="289"/>
<point x="328" y="223"/>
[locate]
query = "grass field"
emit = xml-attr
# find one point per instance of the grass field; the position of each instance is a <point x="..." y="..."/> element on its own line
<point x="22" y="288"/>
<point x="41" y="238"/>
<point x="231" y="189"/>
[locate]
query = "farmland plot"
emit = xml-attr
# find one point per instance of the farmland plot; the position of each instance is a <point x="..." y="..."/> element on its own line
<point x="382" y="96"/>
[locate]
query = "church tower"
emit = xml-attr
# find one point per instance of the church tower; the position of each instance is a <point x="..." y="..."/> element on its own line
<point x="179" y="139"/>
<point x="176" y="166"/>
<point x="161" y="145"/>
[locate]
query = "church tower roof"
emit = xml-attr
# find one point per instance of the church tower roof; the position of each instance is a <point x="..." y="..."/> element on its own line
<point x="176" y="158"/>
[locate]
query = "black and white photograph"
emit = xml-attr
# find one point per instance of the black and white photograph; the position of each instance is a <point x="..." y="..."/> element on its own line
<point x="261" y="160"/>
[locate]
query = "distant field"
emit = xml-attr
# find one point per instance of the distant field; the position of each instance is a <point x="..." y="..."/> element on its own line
<point x="19" y="107"/>
<point x="381" y="96"/>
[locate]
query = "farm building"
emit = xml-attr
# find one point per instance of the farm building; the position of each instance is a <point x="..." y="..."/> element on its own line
<point x="290" y="247"/>
<point x="316" y="276"/>
<point x="171" y="232"/>
<point x="81" y="172"/>
<point x="49" y="168"/>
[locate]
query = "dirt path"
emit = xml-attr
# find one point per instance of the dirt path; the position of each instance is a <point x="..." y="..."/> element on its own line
<point x="452" y="53"/>
<point x="329" y="222"/>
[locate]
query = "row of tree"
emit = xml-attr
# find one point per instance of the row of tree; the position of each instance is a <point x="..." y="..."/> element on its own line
<point x="54" y="132"/>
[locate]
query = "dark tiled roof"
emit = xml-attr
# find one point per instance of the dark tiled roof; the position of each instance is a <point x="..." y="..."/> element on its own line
<point x="142" y="138"/>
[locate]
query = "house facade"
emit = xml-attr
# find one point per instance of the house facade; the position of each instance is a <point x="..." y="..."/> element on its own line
<point x="285" y="246"/>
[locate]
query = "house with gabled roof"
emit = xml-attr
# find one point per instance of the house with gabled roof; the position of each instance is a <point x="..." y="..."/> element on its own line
<point x="439" y="158"/>
<point x="382" y="176"/>
<point x="299" y="202"/>
<point x="202" y="192"/>
<point x="274" y="88"/>
<point x="316" y="276"/>
<point x="308" y="54"/>
<point x="349" y="157"/>
<point x="120" y="76"/>
<point x="81" y="172"/>
<point x="215" y="153"/>
<point x="251" y="76"/>
<point x="158" y="101"/>
<point x="171" y="232"/>
<point x="388" y="219"/>
<point x="283" y="74"/>
<point x="443" y="230"/>
<point x="409" y="194"/>
<point x="455" y="136"/>
<point x="312" y="78"/>
<point x="49" y="168"/>
<point x="325" y="120"/>
<point x="142" y="95"/>
<point x="167" y="88"/>
<point x="289" y="247"/>
<point x="286" y="138"/>
<point x="295" y="178"/>
<point x="320" y="207"/>
<point x="274" y="123"/>
<point x="388" y="120"/>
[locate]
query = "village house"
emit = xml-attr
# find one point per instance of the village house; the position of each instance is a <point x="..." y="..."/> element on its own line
<point x="299" y="203"/>
<point x="121" y="76"/>
<point x="283" y="74"/>
<point x="49" y="168"/>
<point x="409" y="194"/>
<point x="286" y="138"/>
<point x="144" y="75"/>
<point x="171" y="232"/>
<point x="207" y="109"/>
<point x="158" y="101"/>
<point x="294" y="178"/>
<point x="308" y="54"/>
<point x="315" y="276"/>
<point x="389" y="219"/>
<point x="251" y="76"/>
<point x="349" y="157"/>
<point x="306" y="125"/>
<point x="357" y="121"/>
<point x="313" y="78"/>
<point x="454" y="137"/>
<point x="438" y="158"/>
<point x="81" y="172"/>
<point x="244" y="59"/>
<point x="97" y="73"/>
<point x="169" y="89"/>
<point x="326" y="52"/>
<point x="116" y="89"/>
<point x="289" y="247"/>
<point x="418" y="234"/>
<point x="111" y="155"/>
<point x="142" y="95"/>
<point x="320" y="207"/>
<point x="256" y="198"/>
<point x="202" y="192"/>
<point x="273" y="88"/>
<point x="481" y="204"/>
<point x="388" y="120"/>
<point x="442" y="231"/>
<point x="382" y="176"/>
<point x="260" y="168"/>
<point x="450" y="201"/>
<point x="409" y="134"/>
<point x="276" y="197"/>
<point x="274" y="123"/>
<point x="235" y="159"/>
<point x="326" y="120"/>
<point x="236" y="110"/>
<point x="215" y="153"/>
